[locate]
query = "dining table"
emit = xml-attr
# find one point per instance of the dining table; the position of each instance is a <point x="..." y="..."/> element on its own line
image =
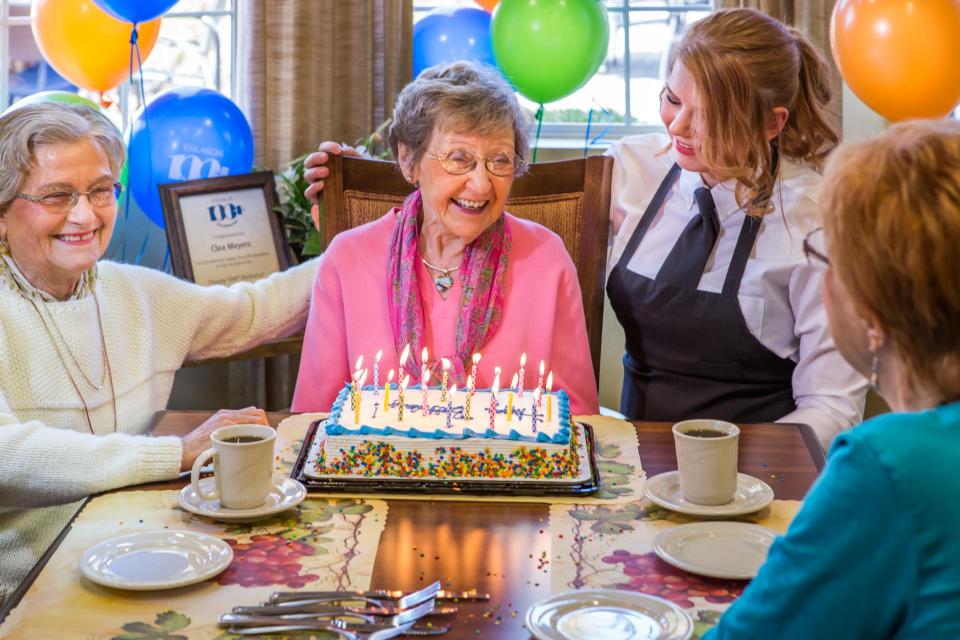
<point x="508" y="549"/>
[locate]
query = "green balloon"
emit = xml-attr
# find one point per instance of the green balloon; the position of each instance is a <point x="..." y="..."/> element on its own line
<point x="62" y="97"/>
<point x="549" y="48"/>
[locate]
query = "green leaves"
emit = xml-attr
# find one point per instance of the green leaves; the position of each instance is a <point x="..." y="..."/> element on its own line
<point x="166" y="623"/>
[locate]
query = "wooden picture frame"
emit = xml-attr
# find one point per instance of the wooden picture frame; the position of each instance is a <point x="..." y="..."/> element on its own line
<point x="224" y="230"/>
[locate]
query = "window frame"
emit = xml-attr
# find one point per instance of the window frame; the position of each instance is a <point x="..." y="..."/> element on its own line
<point x="563" y="135"/>
<point x="124" y="89"/>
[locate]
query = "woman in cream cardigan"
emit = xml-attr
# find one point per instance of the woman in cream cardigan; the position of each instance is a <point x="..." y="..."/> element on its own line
<point x="89" y="349"/>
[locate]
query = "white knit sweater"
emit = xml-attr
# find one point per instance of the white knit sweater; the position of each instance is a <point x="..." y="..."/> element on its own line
<point x="152" y="322"/>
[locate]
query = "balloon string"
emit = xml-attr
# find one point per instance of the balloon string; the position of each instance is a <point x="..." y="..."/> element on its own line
<point x="536" y="140"/>
<point x="586" y="136"/>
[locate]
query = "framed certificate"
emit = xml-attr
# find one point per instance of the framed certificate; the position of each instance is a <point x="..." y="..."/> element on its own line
<point x="224" y="230"/>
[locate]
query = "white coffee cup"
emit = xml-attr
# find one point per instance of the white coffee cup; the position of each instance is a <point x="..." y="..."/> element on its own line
<point x="707" y="463"/>
<point x="243" y="470"/>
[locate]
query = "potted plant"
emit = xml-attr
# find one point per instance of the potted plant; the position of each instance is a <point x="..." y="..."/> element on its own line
<point x="294" y="208"/>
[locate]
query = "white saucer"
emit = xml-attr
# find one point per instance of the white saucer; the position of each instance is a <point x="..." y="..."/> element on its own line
<point x="286" y="494"/>
<point x="155" y="560"/>
<point x="752" y="495"/>
<point x="607" y="614"/>
<point x="732" y="550"/>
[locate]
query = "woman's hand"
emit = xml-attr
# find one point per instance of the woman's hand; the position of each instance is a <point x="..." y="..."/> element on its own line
<point x="198" y="440"/>
<point x="315" y="170"/>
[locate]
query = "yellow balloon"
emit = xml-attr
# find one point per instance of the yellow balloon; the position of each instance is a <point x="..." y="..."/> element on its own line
<point x="901" y="57"/>
<point x="85" y="44"/>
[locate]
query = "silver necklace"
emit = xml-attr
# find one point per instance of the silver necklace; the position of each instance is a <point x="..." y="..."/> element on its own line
<point x="444" y="281"/>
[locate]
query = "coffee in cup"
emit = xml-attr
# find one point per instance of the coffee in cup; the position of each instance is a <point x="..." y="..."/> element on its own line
<point x="242" y="466"/>
<point x="707" y="460"/>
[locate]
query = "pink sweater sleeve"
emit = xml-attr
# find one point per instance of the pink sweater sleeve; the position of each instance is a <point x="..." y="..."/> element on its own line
<point x="323" y="363"/>
<point x="571" y="348"/>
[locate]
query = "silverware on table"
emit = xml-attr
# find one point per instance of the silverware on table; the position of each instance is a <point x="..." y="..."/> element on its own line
<point x="239" y="619"/>
<point x="281" y="597"/>
<point x="380" y="634"/>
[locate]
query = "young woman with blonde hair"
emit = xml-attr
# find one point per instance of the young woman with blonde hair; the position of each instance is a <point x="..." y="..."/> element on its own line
<point x="873" y="553"/>
<point x="723" y="318"/>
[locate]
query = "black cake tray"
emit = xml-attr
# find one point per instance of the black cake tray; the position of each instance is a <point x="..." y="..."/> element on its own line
<point x="492" y="487"/>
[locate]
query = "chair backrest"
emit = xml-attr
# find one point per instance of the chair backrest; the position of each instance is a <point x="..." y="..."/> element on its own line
<point x="570" y="197"/>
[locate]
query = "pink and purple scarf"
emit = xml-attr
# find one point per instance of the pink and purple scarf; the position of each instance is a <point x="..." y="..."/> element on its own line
<point x="482" y="274"/>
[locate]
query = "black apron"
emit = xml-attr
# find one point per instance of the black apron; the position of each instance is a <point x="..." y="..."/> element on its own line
<point x="689" y="353"/>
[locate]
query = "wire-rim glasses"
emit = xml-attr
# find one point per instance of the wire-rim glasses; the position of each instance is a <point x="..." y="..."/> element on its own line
<point x="815" y="247"/>
<point x="459" y="162"/>
<point x="62" y="201"/>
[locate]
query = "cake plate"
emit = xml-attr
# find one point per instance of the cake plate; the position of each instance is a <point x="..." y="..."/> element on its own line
<point x="486" y="487"/>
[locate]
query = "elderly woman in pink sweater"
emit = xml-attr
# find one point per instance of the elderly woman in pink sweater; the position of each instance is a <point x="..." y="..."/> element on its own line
<point x="449" y="270"/>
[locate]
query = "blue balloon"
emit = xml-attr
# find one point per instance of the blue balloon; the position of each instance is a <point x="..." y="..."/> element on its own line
<point x="185" y="133"/>
<point x="448" y="35"/>
<point x="135" y="11"/>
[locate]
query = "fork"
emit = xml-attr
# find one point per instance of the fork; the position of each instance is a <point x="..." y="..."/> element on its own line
<point x="402" y="601"/>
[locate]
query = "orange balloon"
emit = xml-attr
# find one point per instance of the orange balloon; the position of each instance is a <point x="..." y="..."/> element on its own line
<point x="901" y="57"/>
<point x="488" y="4"/>
<point x="85" y="44"/>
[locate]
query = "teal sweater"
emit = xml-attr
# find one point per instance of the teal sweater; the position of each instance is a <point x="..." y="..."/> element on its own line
<point x="875" y="550"/>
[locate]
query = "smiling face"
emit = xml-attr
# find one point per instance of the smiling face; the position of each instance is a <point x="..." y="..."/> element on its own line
<point x="679" y="107"/>
<point x="464" y="204"/>
<point x="54" y="249"/>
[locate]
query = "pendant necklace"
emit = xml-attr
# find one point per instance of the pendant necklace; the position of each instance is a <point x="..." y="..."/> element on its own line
<point x="444" y="281"/>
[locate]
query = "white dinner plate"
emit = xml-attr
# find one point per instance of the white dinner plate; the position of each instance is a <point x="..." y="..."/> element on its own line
<point x="155" y="560"/>
<point x="732" y="550"/>
<point x="607" y="614"/>
<point x="752" y="495"/>
<point x="285" y="494"/>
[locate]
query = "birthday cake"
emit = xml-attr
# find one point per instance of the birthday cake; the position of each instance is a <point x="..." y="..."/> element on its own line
<point x="374" y="432"/>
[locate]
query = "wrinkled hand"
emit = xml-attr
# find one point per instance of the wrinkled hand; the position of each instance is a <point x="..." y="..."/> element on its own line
<point x="198" y="440"/>
<point x="315" y="170"/>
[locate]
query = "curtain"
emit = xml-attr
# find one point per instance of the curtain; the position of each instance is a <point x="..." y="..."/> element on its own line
<point x="319" y="70"/>
<point x="812" y="17"/>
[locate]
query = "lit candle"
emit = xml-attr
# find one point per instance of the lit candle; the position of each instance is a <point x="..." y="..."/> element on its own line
<point x="540" y="387"/>
<point x="472" y="384"/>
<point x="523" y="362"/>
<point x="403" y="387"/>
<point x="403" y="360"/>
<point x="424" y="358"/>
<point x="453" y="392"/>
<point x="493" y="397"/>
<point x="443" y="381"/>
<point x="386" y="390"/>
<point x="356" y="410"/>
<point x="549" y="397"/>
<point x="513" y="383"/>
<point x="424" y="381"/>
<point x="376" y="373"/>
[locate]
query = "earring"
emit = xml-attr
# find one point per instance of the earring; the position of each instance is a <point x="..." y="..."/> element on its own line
<point x="3" y="244"/>
<point x="874" y="371"/>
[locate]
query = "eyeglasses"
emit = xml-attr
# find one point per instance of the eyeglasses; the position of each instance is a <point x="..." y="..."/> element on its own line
<point x="459" y="162"/>
<point x="63" y="201"/>
<point x="815" y="246"/>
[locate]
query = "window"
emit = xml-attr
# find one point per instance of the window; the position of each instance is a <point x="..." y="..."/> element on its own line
<point x="196" y="47"/>
<point x="623" y="96"/>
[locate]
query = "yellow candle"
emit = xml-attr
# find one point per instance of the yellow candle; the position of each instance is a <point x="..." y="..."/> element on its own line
<point x="513" y="384"/>
<point x="403" y="387"/>
<point x="386" y="391"/>
<point x="443" y="381"/>
<point x="356" y="409"/>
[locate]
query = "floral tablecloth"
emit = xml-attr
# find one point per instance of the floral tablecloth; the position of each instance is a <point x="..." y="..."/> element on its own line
<point x="326" y="543"/>
<point x="611" y="546"/>
<point x="618" y="461"/>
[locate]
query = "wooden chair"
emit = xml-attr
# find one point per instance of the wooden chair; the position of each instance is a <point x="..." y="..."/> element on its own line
<point x="571" y="197"/>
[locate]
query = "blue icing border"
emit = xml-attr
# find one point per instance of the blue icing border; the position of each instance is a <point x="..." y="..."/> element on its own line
<point x="334" y="427"/>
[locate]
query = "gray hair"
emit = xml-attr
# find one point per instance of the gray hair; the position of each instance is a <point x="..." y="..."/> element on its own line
<point x="465" y="94"/>
<point x="24" y="130"/>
